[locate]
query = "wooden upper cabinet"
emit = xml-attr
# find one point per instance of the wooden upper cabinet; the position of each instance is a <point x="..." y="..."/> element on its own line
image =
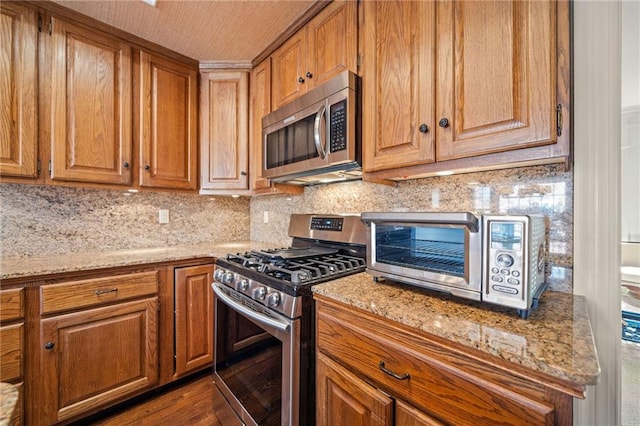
<point x="320" y="50"/>
<point x="397" y="84"/>
<point x="259" y="106"/>
<point x="224" y="130"/>
<point x="18" y="91"/>
<point x="455" y="85"/>
<point x="88" y="105"/>
<point x="167" y="123"/>
<point x="496" y="82"/>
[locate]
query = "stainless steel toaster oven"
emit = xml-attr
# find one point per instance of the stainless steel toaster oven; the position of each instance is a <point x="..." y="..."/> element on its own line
<point x="498" y="259"/>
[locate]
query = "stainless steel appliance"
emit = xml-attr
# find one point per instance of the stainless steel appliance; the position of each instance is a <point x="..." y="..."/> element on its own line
<point x="315" y="138"/>
<point x="264" y="369"/>
<point x="493" y="258"/>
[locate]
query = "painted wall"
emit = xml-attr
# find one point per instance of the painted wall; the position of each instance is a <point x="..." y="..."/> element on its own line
<point x="546" y="190"/>
<point x="57" y="220"/>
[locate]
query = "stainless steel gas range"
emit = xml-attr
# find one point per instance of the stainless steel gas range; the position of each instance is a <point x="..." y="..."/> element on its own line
<point x="264" y="366"/>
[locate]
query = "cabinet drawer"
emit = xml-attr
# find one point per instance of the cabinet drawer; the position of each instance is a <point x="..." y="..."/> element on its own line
<point x="11" y="338"/>
<point x="11" y="306"/>
<point x="97" y="291"/>
<point x="440" y="383"/>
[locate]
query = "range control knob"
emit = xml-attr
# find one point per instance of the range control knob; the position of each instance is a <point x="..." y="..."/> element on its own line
<point x="227" y="278"/>
<point x="273" y="300"/>
<point x="260" y="293"/>
<point x="504" y="260"/>
<point x="244" y="284"/>
<point x="217" y="275"/>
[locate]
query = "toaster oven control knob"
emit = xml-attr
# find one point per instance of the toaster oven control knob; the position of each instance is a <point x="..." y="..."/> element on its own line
<point x="244" y="284"/>
<point x="273" y="300"/>
<point x="260" y="293"/>
<point x="227" y="278"/>
<point x="504" y="260"/>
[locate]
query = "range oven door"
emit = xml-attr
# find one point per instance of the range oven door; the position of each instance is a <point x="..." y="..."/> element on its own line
<point x="441" y="251"/>
<point x="256" y="362"/>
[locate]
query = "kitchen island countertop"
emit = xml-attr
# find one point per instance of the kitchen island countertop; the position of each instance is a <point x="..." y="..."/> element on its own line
<point x="38" y="266"/>
<point x="555" y="341"/>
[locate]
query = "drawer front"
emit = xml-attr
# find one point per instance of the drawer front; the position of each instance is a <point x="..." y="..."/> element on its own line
<point x="11" y="306"/>
<point x="97" y="291"/>
<point x="423" y="379"/>
<point x="11" y="338"/>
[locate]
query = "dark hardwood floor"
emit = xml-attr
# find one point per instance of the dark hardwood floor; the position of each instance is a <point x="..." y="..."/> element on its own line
<point x="188" y="403"/>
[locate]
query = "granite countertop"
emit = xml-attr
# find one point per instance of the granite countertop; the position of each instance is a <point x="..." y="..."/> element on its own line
<point x="8" y="400"/>
<point x="556" y="340"/>
<point x="33" y="266"/>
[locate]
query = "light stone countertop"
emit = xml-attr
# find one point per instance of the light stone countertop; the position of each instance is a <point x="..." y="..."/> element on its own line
<point x="8" y="400"/>
<point x="556" y="340"/>
<point x="35" y="266"/>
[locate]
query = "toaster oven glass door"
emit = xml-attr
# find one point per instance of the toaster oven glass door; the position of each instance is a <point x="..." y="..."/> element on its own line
<point x="440" y="250"/>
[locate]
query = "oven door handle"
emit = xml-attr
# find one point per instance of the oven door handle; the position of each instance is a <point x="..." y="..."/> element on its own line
<point x="256" y="316"/>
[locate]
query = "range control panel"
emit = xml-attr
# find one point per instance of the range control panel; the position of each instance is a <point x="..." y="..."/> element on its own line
<point x="327" y="223"/>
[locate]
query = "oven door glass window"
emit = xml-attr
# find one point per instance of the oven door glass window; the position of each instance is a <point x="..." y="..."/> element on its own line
<point x="249" y="362"/>
<point x="429" y="248"/>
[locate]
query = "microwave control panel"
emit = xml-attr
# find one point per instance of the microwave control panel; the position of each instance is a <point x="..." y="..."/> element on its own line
<point x="338" y="126"/>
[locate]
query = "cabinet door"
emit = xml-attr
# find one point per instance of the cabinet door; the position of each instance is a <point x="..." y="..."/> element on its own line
<point x="259" y="107"/>
<point x="344" y="400"/>
<point x="194" y="318"/>
<point x="94" y="357"/>
<point x="496" y="82"/>
<point x="289" y="68"/>
<point x="224" y="130"/>
<point x="397" y="82"/>
<point x="407" y="415"/>
<point x="88" y="105"/>
<point x="167" y="127"/>
<point x="18" y="93"/>
<point x="332" y="42"/>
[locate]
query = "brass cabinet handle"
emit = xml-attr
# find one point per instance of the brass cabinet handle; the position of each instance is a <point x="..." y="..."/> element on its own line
<point x="111" y="290"/>
<point x="405" y="376"/>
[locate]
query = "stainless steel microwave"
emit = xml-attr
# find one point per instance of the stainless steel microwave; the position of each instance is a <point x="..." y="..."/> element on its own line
<point x="498" y="259"/>
<point x="316" y="137"/>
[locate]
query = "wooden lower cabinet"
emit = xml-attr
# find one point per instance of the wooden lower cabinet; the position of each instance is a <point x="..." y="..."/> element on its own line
<point x="366" y="362"/>
<point x="12" y="353"/>
<point x="194" y="313"/>
<point x="93" y="357"/>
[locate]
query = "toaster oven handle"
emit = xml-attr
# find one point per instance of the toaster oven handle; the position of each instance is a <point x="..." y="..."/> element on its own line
<point x="453" y="218"/>
<point x="320" y="147"/>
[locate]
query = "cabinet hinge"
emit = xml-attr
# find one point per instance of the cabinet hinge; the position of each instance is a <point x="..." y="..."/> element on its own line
<point x="358" y="62"/>
<point x="39" y="23"/>
<point x="39" y="167"/>
<point x="50" y="25"/>
<point x="50" y="174"/>
<point x="559" y="119"/>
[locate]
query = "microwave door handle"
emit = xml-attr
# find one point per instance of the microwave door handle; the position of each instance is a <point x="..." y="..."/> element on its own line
<point x="320" y="148"/>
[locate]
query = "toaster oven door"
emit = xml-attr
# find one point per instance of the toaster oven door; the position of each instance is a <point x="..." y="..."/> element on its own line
<point x="442" y="256"/>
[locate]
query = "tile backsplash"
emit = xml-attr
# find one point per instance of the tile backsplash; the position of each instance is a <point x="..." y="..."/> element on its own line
<point x="546" y="190"/>
<point x="36" y="220"/>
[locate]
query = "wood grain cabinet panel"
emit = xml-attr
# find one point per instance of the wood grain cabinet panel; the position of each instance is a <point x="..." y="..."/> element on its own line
<point x="167" y="123"/>
<point x="398" y="84"/>
<point x="18" y="91"/>
<point x="87" y="117"/>
<point x="345" y="400"/>
<point x="259" y="106"/>
<point x="496" y="76"/>
<point x="428" y="382"/>
<point x="463" y="85"/>
<point x="11" y="352"/>
<point x="194" y="318"/>
<point x="224" y="131"/>
<point x="94" y="357"/>
<point x="318" y="51"/>
<point x="11" y="304"/>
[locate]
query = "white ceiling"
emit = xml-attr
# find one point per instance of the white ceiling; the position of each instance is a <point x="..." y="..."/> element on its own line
<point x="205" y="30"/>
